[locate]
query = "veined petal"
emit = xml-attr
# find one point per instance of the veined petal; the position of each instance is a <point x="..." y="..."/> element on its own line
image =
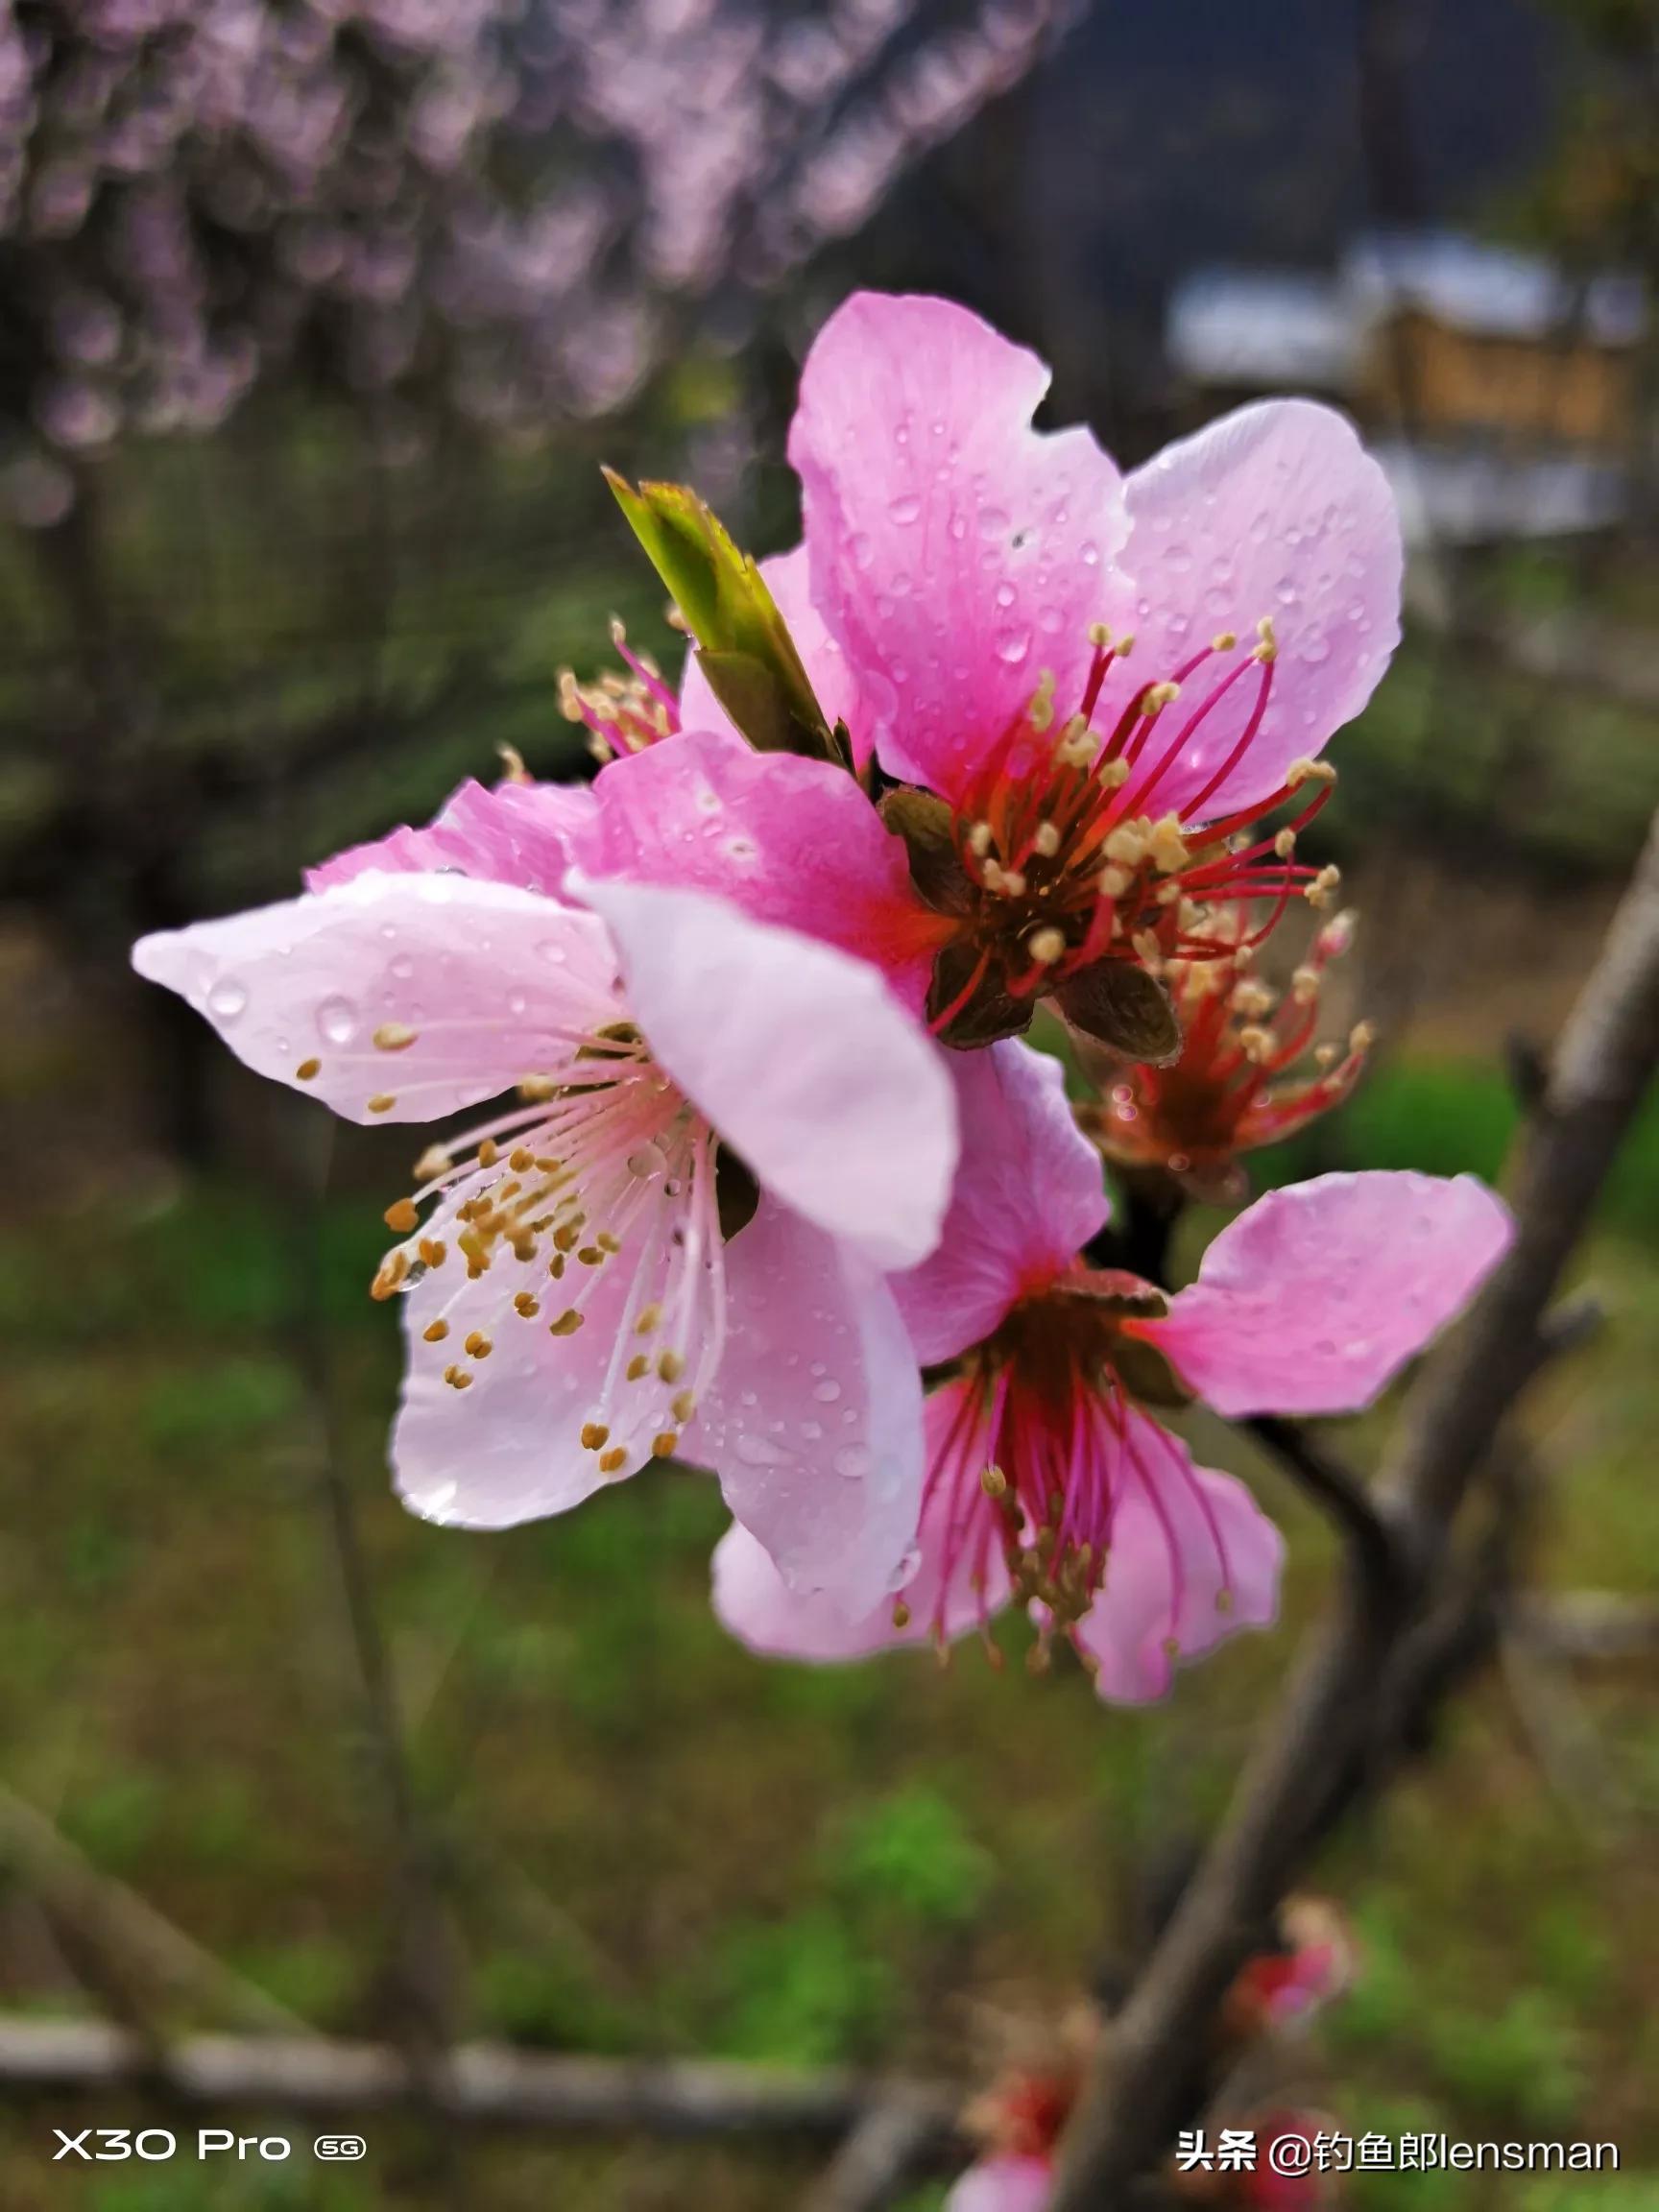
<point x="801" y="1058"/>
<point x="1029" y="1192"/>
<point x="516" y="834"/>
<point x="396" y="998"/>
<point x="1192" y="1559"/>
<point x="956" y="553"/>
<point x="788" y="578"/>
<point x="1316" y="1298"/>
<point x="958" y="1578"/>
<point x="789" y="841"/>
<point x="813" y="1422"/>
<point x="1276" y="510"/>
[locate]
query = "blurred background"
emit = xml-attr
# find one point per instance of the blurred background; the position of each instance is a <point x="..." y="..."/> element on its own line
<point x="317" y="318"/>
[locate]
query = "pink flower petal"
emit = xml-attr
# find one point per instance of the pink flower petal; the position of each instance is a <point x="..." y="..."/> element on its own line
<point x="814" y="1421"/>
<point x="1316" y="1298"/>
<point x="955" y="552"/>
<point x="956" y="1584"/>
<point x="790" y="841"/>
<point x="1192" y="1559"/>
<point x="509" y="1448"/>
<point x="479" y="983"/>
<point x="800" y="1056"/>
<point x="518" y="833"/>
<point x="1003" y="2185"/>
<point x="1276" y="510"/>
<point x="1028" y="1193"/>
<point x="788" y="578"/>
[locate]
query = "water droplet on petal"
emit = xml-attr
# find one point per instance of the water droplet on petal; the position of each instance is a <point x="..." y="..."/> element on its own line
<point x="905" y="509"/>
<point x="337" y="1021"/>
<point x="227" y="998"/>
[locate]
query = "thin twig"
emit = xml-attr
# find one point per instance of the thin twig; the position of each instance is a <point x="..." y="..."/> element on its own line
<point x="485" y="2085"/>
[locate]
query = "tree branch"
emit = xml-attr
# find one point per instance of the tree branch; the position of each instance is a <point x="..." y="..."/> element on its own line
<point x="484" y="2084"/>
<point x="1285" y="1802"/>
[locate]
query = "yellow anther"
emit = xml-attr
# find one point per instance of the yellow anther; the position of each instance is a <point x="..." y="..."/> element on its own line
<point x="1322" y="891"/>
<point x="433" y="1162"/>
<point x="979" y="839"/>
<point x="568" y="1323"/>
<point x="526" y="1305"/>
<point x="556" y="1266"/>
<point x="478" y="1346"/>
<point x="901" y="1614"/>
<point x="1157" y="696"/>
<point x="1115" y="881"/>
<point x="1045" y="839"/>
<point x="394" y="1037"/>
<point x="457" y="1378"/>
<point x="307" y="1071"/>
<point x="536" y="1090"/>
<point x="648" y="1319"/>
<point x="402" y="1217"/>
<point x="1046" y="946"/>
<point x="1302" y="772"/>
<point x="435" y="1332"/>
<point x="1284" y="844"/>
<point x="594" y="1435"/>
<point x="1040" y="713"/>
<point x="606" y="1242"/>
<point x="489" y="1152"/>
<point x="521" y="1158"/>
<point x="382" y="1102"/>
<point x="1100" y="635"/>
<point x="591" y="1256"/>
<point x="433" y="1251"/>
<point x="1361" y="1037"/>
<point x="993" y="1482"/>
<point x="1224" y="640"/>
<point x="670" y="1366"/>
<point x="1127" y="845"/>
<point x="664" y="1444"/>
<point x="614" y="1461"/>
<point x="637" y="1366"/>
<point x="1305" y="986"/>
<point x="1169" y="853"/>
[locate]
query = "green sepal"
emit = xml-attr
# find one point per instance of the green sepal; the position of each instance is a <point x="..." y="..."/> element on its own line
<point x="744" y="646"/>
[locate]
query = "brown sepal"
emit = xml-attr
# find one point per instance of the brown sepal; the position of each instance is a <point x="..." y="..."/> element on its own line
<point x="936" y="870"/>
<point x="1119" y="1004"/>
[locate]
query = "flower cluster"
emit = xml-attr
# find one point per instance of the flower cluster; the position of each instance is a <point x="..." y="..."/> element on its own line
<point x="474" y="197"/>
<point x="771" y="1185"/>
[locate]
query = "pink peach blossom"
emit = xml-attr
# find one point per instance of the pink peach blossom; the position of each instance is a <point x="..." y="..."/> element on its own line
<point x="573" y="1305"/>
<point x="1100" y="686"/>
<point x="1050" y="1481"/>
<point x="1004" y="2184"/>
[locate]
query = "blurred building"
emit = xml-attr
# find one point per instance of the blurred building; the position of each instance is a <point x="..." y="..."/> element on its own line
<point x="1500" y="395"/>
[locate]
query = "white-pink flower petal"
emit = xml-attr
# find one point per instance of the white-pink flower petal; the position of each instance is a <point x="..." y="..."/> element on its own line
<point x="802" y="1059"/>
<point x="468" y="986"/>
<point x="813" y="1423"/>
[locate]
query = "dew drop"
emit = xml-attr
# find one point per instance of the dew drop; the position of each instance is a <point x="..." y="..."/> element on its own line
<point x="828" y="1391"/>
<point x="905" y="509"/>
<point x="228" y="998"/>
<point x="855" y="1462"/>
<point x="757" y="1452"/>
<point x="1014" y="646"/>
<point x="337" y="1021"/>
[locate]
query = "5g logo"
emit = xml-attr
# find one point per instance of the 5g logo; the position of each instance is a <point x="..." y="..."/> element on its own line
<point x="153" y="2144"/>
